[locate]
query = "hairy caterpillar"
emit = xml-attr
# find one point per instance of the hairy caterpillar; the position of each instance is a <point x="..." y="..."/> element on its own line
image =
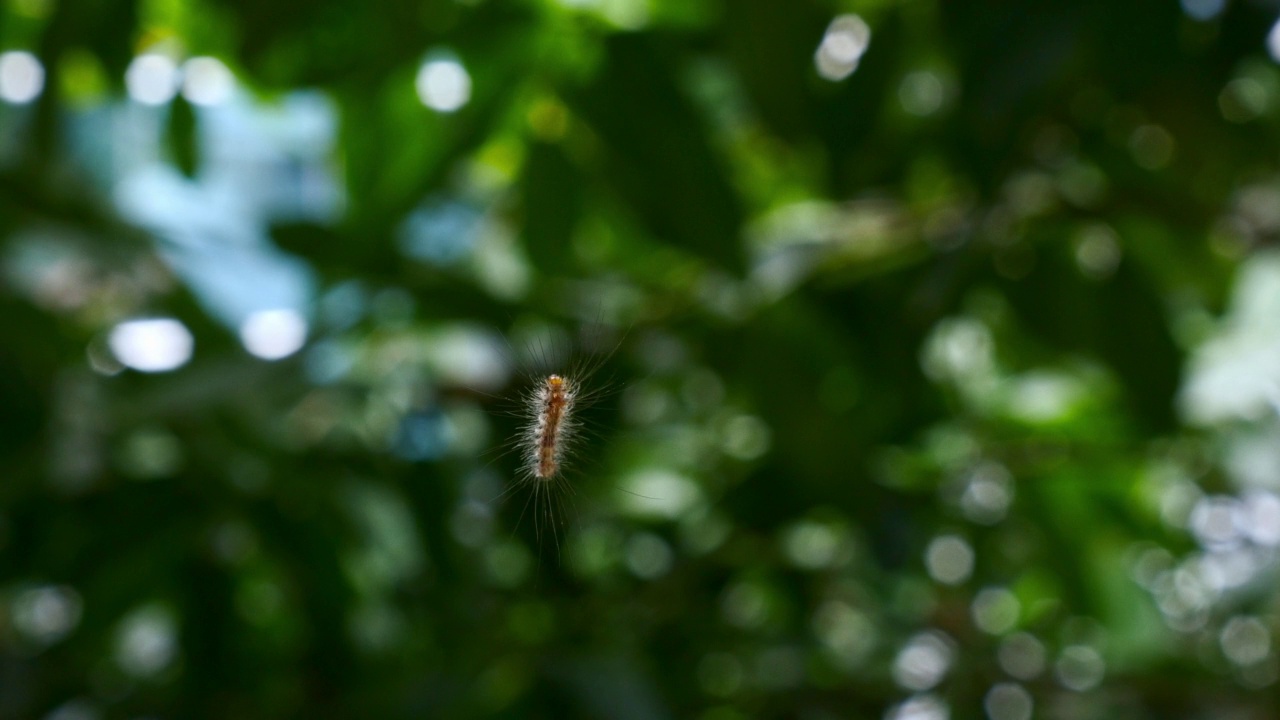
<point x="552" y="427"/>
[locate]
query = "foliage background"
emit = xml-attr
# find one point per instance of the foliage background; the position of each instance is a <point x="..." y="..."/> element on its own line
<point x="945" y="374"/>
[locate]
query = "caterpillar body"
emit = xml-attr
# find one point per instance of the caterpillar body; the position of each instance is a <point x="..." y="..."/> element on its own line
<point x="552" y="423"/>
<point x="551" y="426"/>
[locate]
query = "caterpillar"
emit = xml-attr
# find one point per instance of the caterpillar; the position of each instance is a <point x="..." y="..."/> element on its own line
<point x="551" y="426"/>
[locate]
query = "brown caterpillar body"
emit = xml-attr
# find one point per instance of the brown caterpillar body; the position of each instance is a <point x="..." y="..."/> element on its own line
<point x="551" y="426"/>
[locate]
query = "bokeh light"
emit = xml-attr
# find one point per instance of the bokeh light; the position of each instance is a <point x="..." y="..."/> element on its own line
<point x="920" y="707"/>
<point x="847" y="633"/>
<point x="987" y="494"/>
<point x="648" y="556"/>
<point x="46" y="614"/>
<point x="443" y="84"/>
<point x="151" y="344"/>
<point x="1008" y="701"/>
<point x="274" y="334"/>
<point x="21" y="77"/>
<point x="924" y="661"/>
<point x="922" y="93"/>
<point x="1245" y="641"/>
<point x="146" y="641"/>
<point x="659" y="493"/>
<point x="1080" y="668"/>
<point x="206" y="81"/>
<point x="949" y="559"/>
<point x="1098" y="252"/>
<point x="842" y="47"/>
<point x="995" y="610"/>
<point x="152" y="79"/>
<point x="1022" y="656"/>
<point x="1273" y="41"/>
<point x="1203" y="9"/>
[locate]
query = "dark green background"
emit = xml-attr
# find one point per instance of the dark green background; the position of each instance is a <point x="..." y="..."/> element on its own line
<point x="790" y="260"/>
